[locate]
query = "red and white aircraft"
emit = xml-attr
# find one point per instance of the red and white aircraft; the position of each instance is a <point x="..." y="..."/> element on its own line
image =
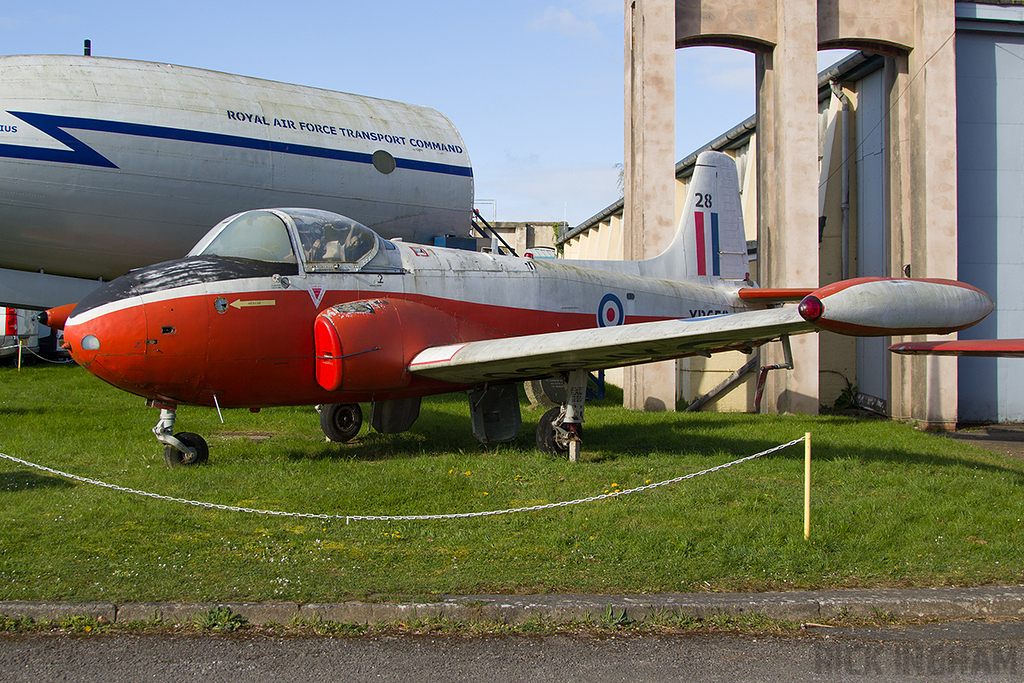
<point x="294" y="306"/>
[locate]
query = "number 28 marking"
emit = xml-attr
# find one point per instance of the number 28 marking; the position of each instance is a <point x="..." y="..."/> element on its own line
<point x="703" y="200"/>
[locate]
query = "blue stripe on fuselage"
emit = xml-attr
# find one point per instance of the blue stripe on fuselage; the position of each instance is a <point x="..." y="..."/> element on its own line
<point x="715" y="257"/>
<point x="82" y="154"/>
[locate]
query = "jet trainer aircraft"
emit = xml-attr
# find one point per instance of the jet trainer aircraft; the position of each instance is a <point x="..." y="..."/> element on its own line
<point x="296" y="306"/>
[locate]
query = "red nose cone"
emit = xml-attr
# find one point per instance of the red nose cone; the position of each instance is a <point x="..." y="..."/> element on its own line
<point x="811" y="308"/>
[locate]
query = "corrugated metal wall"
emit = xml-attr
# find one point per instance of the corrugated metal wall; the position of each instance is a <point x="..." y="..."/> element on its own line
<point x="990" y="177"/>
<point x="872" y="232"/>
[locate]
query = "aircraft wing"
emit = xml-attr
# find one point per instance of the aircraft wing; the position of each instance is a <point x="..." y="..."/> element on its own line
<point x="988" y="348"/>
<point x="541" y="355"/>
<point x="859" y="307"/>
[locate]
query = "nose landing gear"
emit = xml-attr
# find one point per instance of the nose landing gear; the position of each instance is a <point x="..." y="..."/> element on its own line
<point x="183" y="448"/>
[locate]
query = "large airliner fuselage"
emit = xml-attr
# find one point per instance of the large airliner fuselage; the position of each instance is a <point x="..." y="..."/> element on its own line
<point x="109" y="164"/>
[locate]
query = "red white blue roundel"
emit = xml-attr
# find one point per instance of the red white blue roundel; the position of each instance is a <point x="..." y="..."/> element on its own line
<point x="609" y="313"/>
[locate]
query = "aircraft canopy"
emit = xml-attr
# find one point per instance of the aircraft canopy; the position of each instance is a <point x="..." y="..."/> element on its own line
<point x="328" y="238"/>
<point x="326" y="241"/>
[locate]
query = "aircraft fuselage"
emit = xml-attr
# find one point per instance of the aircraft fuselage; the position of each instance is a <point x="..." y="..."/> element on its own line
<point x="244" y="333"/>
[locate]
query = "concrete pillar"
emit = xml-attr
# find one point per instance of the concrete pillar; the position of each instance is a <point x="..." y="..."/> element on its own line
<point x="921" y="126"/>
<point x="923" y="203"/>
<point x="787" y="169"/>
<point x="650" y="167"/>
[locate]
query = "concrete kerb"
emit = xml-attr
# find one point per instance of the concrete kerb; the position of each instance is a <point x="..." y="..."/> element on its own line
<point x="998" y="602"/>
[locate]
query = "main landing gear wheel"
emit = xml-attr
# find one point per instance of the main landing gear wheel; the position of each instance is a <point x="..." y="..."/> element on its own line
<point x="175" y="458"/>
<point x="553" y="438"/>
<point x="341" y="421"/>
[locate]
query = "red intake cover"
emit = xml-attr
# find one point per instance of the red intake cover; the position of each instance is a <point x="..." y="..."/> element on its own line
<point x="367" y="345"/>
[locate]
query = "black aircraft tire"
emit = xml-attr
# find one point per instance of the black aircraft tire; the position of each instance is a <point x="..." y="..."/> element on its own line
<point x="175" y="458"/>
<point x="341" y="421"/>
<point x="547" y="442"/>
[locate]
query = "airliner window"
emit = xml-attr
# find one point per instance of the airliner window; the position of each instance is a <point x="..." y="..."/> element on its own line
<point x="257" y="235"/>
<point x="330" y="241"/>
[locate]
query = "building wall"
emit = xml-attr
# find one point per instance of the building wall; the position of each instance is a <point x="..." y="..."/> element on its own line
<point x="989" y="208"/>
<point x="837" y="354"/>
<point x="990" y="169"/>
<point x="869" y="156"/>
<point x="522" y="236"/>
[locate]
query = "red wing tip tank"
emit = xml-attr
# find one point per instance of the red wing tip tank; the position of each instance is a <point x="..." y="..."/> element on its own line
<point x="881" y="307"/>
<point x="980" y="348"/>
<point x="306" y="307"/>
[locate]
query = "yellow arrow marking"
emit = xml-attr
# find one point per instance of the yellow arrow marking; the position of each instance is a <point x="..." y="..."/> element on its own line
<point x="238" y="303"/>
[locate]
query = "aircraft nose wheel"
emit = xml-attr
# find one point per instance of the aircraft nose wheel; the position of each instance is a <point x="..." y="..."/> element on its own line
<point x="176" y="458"/>
<point x="341" y="422"/>
<point x="183" y="448"/>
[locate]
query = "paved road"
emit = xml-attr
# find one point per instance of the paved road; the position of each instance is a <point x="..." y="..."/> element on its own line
<point x="1006" y="439"/>
<point x="952" y="652"/>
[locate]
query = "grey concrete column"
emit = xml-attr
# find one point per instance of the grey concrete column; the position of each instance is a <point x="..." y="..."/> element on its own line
<point x="787" y="165"/>
<point x="923" y="206"/>
<point x="650" y="167"/>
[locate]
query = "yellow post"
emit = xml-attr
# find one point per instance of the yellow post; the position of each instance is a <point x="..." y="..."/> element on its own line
<point x="807" y="485"/>
<point x="19" y="354"/>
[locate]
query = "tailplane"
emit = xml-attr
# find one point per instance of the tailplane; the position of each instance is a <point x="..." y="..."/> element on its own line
<point x="710" y="242"/>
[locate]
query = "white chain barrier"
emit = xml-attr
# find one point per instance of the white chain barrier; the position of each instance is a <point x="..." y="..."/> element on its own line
<point x="28" y="349"/>
<point x="397" y="518"/>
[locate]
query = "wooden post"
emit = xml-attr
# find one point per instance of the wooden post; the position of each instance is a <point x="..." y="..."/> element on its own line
<point x="807" y="486"/>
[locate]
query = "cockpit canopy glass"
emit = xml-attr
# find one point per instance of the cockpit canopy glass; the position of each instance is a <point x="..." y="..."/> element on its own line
<point x="257" y="235"/>
<point x="329" y="240"/>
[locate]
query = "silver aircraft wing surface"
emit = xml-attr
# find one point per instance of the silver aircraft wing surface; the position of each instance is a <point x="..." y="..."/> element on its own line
<point x="541" y="355"/>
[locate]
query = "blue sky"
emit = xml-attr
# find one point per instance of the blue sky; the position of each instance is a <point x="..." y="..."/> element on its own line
<point x="534" y="87"/>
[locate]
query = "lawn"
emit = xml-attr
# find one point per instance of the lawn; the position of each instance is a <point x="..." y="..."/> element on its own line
<point x="892" y="506"/>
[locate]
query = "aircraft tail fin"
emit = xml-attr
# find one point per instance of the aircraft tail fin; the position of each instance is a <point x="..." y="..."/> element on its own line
<point x="710" y="241"/>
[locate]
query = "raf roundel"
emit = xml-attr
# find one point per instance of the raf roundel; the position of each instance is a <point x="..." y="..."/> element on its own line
<point x="609" y="313"/>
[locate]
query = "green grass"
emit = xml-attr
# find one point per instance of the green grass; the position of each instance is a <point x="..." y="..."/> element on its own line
<point x="892" y="506"/>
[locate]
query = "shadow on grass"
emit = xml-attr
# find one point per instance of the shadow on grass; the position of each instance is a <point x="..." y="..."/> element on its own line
<point x="376" y="447"/>
<point x="622" y="436"/>
<point x="24" y="481"/>
<point x="695" y="435"/>
<point x="21" y="412"/>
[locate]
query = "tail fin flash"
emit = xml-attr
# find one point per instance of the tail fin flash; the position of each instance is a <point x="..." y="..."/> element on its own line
<point x="710" y="241"/>
<point x="714" y="243"/>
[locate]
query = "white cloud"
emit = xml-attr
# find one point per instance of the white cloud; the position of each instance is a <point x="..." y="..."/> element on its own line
<point x="719" y="69"/>
<point x="550" y="194"/>
<point x="8" y="23"/>
<point x="601" y="6"/>
<point x="37" y="19"/>
<point x="564" y="21"/>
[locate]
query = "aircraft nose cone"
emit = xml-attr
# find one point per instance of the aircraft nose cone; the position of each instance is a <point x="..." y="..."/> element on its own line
<point x="110" y="344"/>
